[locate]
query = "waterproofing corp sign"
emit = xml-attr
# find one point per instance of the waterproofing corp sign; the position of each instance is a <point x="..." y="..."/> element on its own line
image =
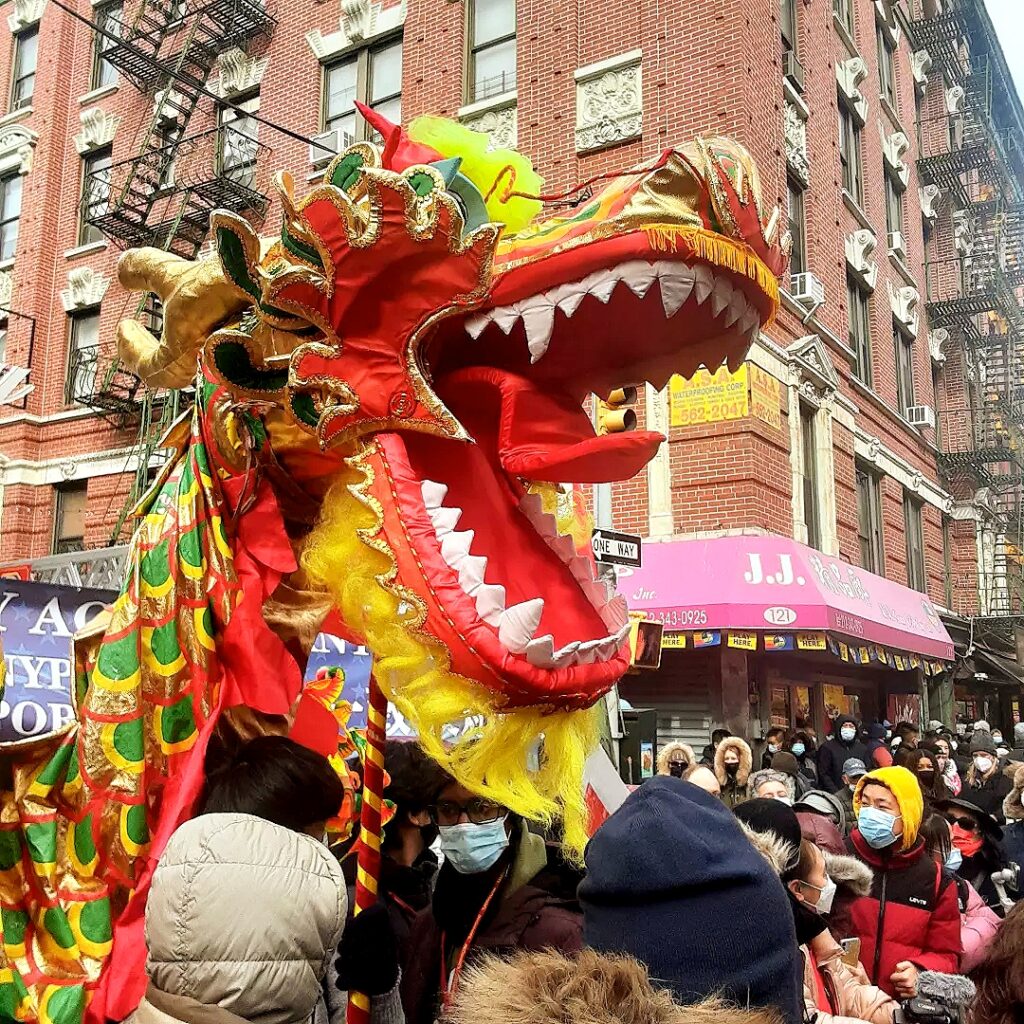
<point x="37" y="623"/>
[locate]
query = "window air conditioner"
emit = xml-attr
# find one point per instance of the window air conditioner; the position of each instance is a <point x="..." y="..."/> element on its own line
<point x="898" y="244"/>
<point x="793" y="70"/>
<point x="327" y="145"/>
<point x="921" y="416"/>
<point x="808" y="290"/>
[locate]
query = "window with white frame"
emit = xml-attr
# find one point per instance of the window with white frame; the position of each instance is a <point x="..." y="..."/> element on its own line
<point x="95" y="194"/>
<point x="869" y="520"/>
<point x="373" y="76"/>
<point x="10" y="214"/>
<point x="917" y="578"/>
<point x="108" y="31"/>
<point x="69" y="518"/>
<point x="850" y="152"/>
<point x="238" y="140"/>
<point x="904" y="346"/>
<point x="843" y="10"/>
<point x="83" y="354"/>
<point x="492" y="48"/>
<point x="23" y="77"/>
<point x="809" y="474"/>
<point x="859" y="336"/>
<point x="797" y="227"/>
<point x="886" y="66"/>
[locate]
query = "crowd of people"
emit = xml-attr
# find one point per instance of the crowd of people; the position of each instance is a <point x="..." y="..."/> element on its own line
<point x="855" y="880"/>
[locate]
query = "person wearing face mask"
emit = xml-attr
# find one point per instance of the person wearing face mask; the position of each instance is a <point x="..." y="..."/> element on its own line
<point x="978" y="840"/>
<point x="978" y="923"/>
<point x="801" y="746"/>
<point x="853" y="770"/>
<point x="910" y="921"/>
<point x="926" y="770"/>
<point x="774" y="743"/>
<point x="733" y="761"/>
<point x="947" y="767"/>
<point x="986" y="786"/>
<point x="495" y="894"/>
<point x="843" y="744"/>
<point x="674" y="758"/>
<point x="772" y="785"/>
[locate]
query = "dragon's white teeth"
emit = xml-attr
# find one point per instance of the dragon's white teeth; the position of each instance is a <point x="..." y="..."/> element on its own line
<point x="519" y="623"/>
<point x="639" y="276"/>
<point x="539" y="320"/>
<point x="603" y="287"/>
<point x="676" y="285"/>
<point x="471" y="572"/>
<point x="721" y="296"/>
<point x="581" y="568"/>
<point x="444" y="518"/>
<point x="563" y="545"/>
<point x="455" y="547"/>
<point x="433" y="494"/>
<point x="541" y="652"/>
<point x="507" y="317"/>
<point x="490" y="603"/>
<point x="703" y="282"/>
<point x="570" y="302"/>
<point x="475" y="325"/>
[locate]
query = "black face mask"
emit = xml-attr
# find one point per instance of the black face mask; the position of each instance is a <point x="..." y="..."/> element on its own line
<point x="927" y="780"/>
<point x="731" y="770"/>
<point x="676" y="768"/>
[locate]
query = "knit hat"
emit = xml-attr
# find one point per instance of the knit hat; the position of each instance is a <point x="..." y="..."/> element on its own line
<point x="983" y="743"/>
<point x="671" y="881"/>
<point x="786" y="763"/>
<point x="762" y="815"/>
<point x="982" y="726"/>
<point x="905" y="788"/>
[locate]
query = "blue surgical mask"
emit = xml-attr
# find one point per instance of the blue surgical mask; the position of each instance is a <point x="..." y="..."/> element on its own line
<point x="473" y="848"/>
<point x="798" y="749"/>
<point x="955" y="860"/>
<point x="877" y="827"/>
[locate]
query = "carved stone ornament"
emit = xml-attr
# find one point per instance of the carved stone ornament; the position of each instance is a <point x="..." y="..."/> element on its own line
<point x="360" y="22"/>
<point x="609" y="103"/>
<point x="796" y="143"/>
<point x="68" y="469"/>
<point x="894" y="149"/>
<point x="849" y="74"/>
<point x="17" y="146"/>
<point x="809" y="360"/>
<point x="26" y="12"/>
<point x="963" y="232"/>
<point x="904" y="302"/>
<point x="6" y="289"/>
<point x="916" y="480"/>
<point x="498" y="123"/>
<point x="920" y="65"/>
<point x="239" y="72"/>
<point x="859" y="247"/>
<point x="955" y="96"/>
<point x="874" y="449"/>
<point x="85" y="288"/>
<point x="937" y="341"/>
<point x="98" y="128"/>
<point x="930" y="196"/>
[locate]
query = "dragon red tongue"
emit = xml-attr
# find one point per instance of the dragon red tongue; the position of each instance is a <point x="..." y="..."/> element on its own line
<point x="540" y="435"/>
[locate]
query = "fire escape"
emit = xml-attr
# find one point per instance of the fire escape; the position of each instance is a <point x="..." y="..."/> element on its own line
<point x="164" y="195"/>
<point x="975" y="295"/>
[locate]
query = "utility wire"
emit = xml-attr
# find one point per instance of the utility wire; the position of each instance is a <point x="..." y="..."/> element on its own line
<point x="193" y="83"/>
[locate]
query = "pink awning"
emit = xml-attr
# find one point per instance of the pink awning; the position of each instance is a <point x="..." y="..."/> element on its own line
<point x="777" y="585"/>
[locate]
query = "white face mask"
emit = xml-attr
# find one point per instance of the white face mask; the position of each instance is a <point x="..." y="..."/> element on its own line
<point x="826" y="896"/>
<point x="983" y="764"/>
<point x="773" y="748"/>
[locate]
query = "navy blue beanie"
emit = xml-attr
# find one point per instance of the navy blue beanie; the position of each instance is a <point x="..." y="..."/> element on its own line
<point x="673" y="881"/>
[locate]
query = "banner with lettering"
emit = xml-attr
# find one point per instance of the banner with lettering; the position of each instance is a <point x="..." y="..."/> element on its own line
<point x="37" y="622"/>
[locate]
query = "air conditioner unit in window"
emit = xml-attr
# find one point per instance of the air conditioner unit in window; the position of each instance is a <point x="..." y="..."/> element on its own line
<point x="921" y="416"/>
<point x="898" y="244"/>
<point x="793" y="70"/>
<point x="808" y="290"/>
<point x="327" y="145"/>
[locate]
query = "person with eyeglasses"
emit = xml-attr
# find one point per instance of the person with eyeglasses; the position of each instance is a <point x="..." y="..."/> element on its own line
<point x="978" y="840"/>
<point x="495" y="894"/>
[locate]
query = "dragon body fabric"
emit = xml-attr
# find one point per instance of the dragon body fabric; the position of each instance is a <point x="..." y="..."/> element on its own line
<point x="385" y="396"/>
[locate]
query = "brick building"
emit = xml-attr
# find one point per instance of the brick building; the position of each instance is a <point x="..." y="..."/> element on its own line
<point x="862" y="116"/>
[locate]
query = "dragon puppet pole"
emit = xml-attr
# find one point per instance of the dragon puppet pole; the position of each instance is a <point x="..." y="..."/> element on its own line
<point x="368" y="871"/>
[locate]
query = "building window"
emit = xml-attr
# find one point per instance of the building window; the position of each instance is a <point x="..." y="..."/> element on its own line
<point x="238" y="141"/>
<point x="886" y="67"/>
<point x="69" y="518"/>
<point x="108" y="23"/>
<point x="844" y="12"/>
<point x="492" y="55"/>
<point x="83" y="355"/>
<point x="10" y="214"/>
<point x="23" y="81"/>
<point x="947" y="560"/>
<point x="869" y="520"/>
<point x="893" y="205"/>
<point x="916" y="578"/>
<point x="797" y="228"/>
<point x="374" y="77"/>
<point x="849" y="152"/>
<point x="809" y="468"/>
<point x="860" y="330"/>
<point x="787" y="23"/>
<point x="904" y="369"/>
<point x="95" y="195"/>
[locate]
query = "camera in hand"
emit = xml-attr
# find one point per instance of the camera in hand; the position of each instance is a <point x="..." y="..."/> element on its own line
<point x="940" y="999"/>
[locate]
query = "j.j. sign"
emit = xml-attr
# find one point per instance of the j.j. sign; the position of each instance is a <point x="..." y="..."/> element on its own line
<point x="37" y="622"/>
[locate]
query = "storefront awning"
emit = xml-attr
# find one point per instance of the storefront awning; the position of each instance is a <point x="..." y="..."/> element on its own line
<point x="774" y="584"/>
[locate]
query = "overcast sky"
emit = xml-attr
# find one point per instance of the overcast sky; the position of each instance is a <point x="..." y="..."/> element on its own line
<point x="1008" y="16"/>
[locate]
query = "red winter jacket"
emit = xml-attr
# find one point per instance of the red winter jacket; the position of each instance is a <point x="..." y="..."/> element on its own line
<point x="911" y="914"/>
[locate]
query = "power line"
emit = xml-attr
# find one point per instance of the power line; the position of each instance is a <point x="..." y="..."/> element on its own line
<point x="188" y="80"/>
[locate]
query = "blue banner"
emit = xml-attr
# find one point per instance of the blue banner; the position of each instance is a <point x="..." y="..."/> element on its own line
<point x="37" y="622"/>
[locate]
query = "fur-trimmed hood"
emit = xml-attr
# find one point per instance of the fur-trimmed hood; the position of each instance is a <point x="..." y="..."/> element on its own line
<point x="746" y="760"/>
<point x="593" y="988"/>
<point x="672" y="749"/>
<point x="849" y="873"/>
<point x="779" y="854"/>
<point x="1013" y="805"/>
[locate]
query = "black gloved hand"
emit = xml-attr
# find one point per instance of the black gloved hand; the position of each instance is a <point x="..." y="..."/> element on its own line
<point x="368" y="953"/>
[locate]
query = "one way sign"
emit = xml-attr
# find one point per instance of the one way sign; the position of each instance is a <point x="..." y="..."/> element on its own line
<point x="616" y="548"/>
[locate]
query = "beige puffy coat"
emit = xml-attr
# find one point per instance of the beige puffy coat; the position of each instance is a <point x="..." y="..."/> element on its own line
<point x="241" y="922"/>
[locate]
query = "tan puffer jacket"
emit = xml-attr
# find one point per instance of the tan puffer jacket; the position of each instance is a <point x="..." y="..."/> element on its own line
<point x="243" y="915"/>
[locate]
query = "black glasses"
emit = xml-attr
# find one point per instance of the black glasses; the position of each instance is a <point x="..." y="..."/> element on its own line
<point x="477" y="810"/>
<point x="967" y="824"/>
